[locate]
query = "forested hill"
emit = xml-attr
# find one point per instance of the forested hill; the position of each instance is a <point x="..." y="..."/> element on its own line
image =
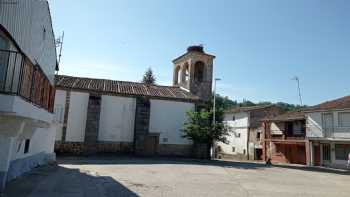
<point x="226" y="103"/>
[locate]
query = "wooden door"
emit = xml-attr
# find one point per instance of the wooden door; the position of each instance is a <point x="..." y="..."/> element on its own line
<point x="317" y="154"/>
<point x="151" y="145"/>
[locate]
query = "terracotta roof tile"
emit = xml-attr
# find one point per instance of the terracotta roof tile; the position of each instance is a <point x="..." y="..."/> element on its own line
<point x="340" y="103"/>
<point x="289" y="116"/>
<point x="122" y="88"/>
<point x="247" y="109"/>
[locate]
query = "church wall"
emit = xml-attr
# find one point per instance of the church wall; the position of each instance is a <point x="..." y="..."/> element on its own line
<point x="117" y="119"/>
<point x="77" y="117"/>
<point x="60" y="104"/>
<point x="117" y="125"/>
<point x="167" y="118"/>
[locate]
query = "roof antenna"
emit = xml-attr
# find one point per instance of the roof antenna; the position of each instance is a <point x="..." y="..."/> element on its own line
<point x="296" y="78"/>
<point x="59" y="44"/>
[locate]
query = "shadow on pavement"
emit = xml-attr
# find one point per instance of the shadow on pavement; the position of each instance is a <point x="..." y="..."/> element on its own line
<point x="315" y="169"/>
<point x="133" y="160"/>
<point x="54" y="181"/>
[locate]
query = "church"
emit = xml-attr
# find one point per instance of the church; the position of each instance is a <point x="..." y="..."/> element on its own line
<point x="106" y="116"/>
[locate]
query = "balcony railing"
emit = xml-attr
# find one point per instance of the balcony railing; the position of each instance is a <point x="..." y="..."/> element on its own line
<point x="284" y="137"/>
<point x="336" y="132"/>
<point x="19" y="76"/>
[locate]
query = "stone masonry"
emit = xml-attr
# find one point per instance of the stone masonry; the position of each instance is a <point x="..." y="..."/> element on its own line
<point x="66" y="111"/>
<point x="92" y="124"/>
<point x="142" y="119"/>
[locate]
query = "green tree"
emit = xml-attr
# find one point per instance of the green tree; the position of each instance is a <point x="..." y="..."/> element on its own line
<point x="200" y="129"/>
<point x="148" y="77"/>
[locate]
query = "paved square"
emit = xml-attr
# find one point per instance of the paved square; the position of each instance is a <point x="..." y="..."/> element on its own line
<point x="107" y="177"/>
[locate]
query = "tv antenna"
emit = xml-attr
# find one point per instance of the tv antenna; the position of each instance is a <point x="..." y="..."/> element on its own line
<point x="59" y="44"/>
<point x="296" y="78"/>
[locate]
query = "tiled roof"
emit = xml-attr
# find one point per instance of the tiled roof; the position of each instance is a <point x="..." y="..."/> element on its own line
<point x="247" y="109"/>
<point x="289" y="116"/>
<point x="122" y="88"/>
<point x="341" y="103"/>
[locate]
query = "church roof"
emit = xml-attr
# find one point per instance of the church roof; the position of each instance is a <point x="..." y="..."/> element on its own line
<point x="194" y="49"/>
<point x="126" y="88"/>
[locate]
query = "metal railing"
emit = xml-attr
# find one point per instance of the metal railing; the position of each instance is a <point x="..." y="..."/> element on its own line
<point x="334" y="132"/>
<point x="10" y="66"/>
<point x="19" y="76"/>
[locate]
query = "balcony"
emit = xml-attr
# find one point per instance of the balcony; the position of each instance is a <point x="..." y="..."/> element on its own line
<point x="337" y="132"/>
<point x="20" y="77"/>
<point x="284" y="137"/>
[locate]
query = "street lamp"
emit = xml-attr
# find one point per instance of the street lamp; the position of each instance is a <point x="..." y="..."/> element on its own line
<point x="215" y="80"/>
<point x="214" y="121"/>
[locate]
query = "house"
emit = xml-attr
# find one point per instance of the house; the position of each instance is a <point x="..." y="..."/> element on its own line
<point x="328" y="130"/>
<point x="284" y="138"/>
<point x="98" y="115"/>
<point x="245" y="125"/>
<point x="27" y="66"/>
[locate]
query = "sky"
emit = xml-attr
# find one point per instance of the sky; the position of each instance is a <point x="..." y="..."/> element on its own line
<point x="259" y="45"/>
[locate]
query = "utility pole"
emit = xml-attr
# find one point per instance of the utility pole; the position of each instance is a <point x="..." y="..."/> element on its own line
<point x="214" y="103"/>
<point x="296" y="78"/>
<point x="59" y="44"/>
<point x="214" y="120"/>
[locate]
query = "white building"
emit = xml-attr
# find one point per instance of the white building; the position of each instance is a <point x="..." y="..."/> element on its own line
<point x="328" y="131"/>
<point x="97" y="115"/>
<point x="244" y="124"/>
<point x="27" y="65"/>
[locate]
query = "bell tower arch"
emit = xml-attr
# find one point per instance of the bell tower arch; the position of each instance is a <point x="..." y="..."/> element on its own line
<point x="193" y="71"/>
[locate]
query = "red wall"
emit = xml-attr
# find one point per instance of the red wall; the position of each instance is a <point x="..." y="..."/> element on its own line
<point x="288" y="153"/>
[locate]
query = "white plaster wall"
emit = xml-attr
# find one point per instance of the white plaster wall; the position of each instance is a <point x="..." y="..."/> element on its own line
<point x="167" y="118"/>
<point x="241" y="119"/>
<point x="240" y="143"/>
<point x="237" y="127"/>
<point x="117" y="119"/>
<point x="340" y="132"/>
<point x="42" y="140"/>
<point x="5" y="152"/>
<point x="314" y="125"/>
<point x="15" y="105"/>
<point x="60" y="104"/>
<point x="77" y="117"/>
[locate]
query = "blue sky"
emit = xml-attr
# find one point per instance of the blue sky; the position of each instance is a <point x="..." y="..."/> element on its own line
<point x="259" y="45"/>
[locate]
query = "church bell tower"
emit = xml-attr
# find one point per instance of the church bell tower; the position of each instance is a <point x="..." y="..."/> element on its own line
<point x="193" y="71"/>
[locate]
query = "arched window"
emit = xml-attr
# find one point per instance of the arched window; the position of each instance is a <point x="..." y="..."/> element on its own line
<point x="177" y="75"/>
<point x="185" y="73"/>
<point x="199" y="71"/>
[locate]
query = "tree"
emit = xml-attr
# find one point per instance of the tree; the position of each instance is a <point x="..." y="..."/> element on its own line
<point x="148" y="77"/>
<point x="200" y="129"/>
